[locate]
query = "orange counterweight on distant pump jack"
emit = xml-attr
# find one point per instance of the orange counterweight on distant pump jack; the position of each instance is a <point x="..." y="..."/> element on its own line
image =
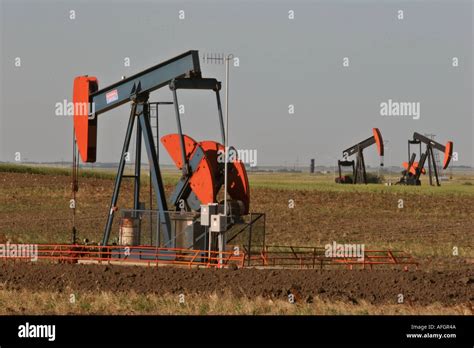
<point x="202" y="169"/>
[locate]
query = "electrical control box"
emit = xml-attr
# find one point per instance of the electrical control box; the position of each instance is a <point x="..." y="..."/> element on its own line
<point x="206" y="211"/>
<point x="218" y="223"/>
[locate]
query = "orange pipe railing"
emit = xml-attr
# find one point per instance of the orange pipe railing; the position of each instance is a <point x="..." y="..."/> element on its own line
<point x="270" y="256"/>
<point x="134" y="254"/>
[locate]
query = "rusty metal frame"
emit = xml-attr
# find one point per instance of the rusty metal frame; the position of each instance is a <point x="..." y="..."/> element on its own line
<point x="137" y="255"/>
<point x="272" y="256"/>
<point x="280" y="256"/>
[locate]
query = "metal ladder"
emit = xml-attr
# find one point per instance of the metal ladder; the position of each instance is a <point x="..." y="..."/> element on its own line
<point x="153" y="112"/>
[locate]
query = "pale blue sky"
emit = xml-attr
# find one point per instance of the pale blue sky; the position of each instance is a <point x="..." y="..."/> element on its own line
<point x="282" y="62"/>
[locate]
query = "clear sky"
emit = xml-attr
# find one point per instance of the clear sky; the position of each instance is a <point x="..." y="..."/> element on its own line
<point x="283" y="61"/>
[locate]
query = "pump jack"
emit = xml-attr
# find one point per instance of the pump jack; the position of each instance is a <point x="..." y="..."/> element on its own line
<point x="202" y="174"/>
<point x="358" y="170"/>
<point x="413" y="170"/>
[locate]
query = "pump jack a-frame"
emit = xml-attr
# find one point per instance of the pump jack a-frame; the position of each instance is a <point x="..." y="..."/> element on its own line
<point x="202" y="175"/>
<point x="413" y="170"/>
<point x="359" y="173"/>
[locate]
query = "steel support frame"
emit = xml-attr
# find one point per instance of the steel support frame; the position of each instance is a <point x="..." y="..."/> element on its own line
<point x="432" y="164"/>
<point x="140" y="110"/>
<point x="345" y="163"/>
<point x="360" y="173"/>
<point x="408" y="179"/>
<point x="183" y="191"/>
<point x="406" y="174"/>
<point x="138" y="155"/>
<point x="427" y="155"/>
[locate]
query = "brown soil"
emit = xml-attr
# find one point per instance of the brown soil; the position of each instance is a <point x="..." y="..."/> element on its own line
<point x="35" y="208"/>
<point x="429" y="226"/>
<point x="431" y="221"/>
<point x="376" y="286"/>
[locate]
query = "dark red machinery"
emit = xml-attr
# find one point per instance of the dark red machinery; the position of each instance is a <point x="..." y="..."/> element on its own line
<point x="359" y="174"/>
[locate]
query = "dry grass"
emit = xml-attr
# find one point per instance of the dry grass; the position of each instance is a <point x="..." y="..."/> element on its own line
<point x="16" y="302"/>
